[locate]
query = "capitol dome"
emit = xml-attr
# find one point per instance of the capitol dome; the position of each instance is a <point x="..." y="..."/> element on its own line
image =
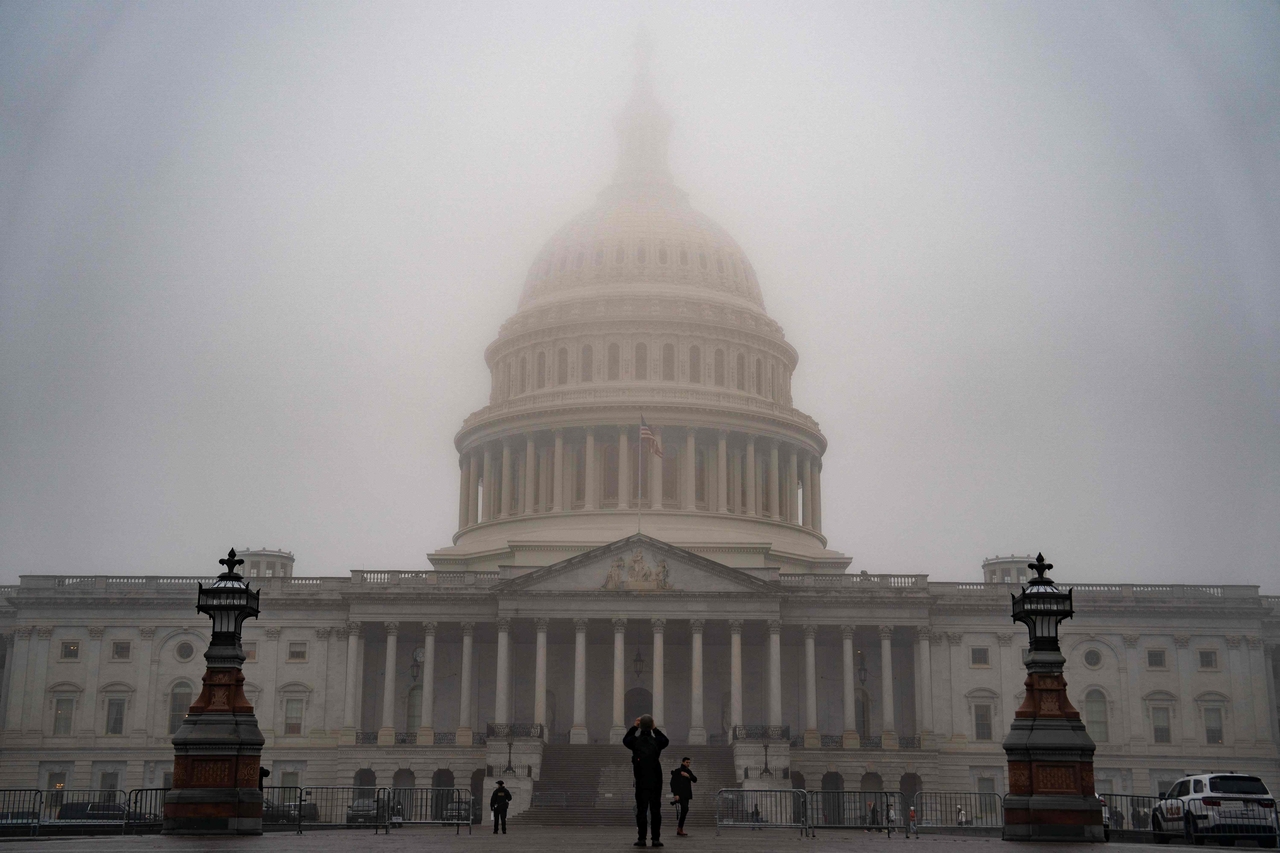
<point x="641" y="307"/>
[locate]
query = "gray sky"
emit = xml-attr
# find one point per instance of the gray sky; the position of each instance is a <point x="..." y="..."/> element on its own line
<point x="251" y="255"/>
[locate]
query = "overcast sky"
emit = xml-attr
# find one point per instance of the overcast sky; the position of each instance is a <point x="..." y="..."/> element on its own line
<point x="251" y="255"/>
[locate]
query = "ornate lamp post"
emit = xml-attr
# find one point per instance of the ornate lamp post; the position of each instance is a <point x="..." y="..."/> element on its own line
<point x="218" y="747"/>
<point x="1050" y="754"/>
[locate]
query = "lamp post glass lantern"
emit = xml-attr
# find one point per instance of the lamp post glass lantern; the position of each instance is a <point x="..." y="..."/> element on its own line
<point x="1042" y="607"/>
<point x="228" y="601"/>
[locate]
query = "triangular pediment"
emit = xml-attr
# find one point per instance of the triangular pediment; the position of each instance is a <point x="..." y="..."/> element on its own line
<point x="638" y="565"/>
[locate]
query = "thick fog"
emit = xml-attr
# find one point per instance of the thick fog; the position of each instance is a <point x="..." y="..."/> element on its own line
<point x="251" y="255"/>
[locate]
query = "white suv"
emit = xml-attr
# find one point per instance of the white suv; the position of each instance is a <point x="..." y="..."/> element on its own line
<point x="1221" y="806"/>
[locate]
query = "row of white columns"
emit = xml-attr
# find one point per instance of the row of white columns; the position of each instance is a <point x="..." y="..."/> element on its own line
<point x="737" y="489"/>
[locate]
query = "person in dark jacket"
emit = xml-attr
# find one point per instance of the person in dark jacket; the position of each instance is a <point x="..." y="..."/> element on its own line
<point x="498" y="803"/>
<point x="682" y="780"/>
<point x="646" y="742"/>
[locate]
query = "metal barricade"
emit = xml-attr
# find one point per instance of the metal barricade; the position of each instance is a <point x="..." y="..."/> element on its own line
<point x="1225" y="817"/>
<point x="91" y="808"/>
<point x="282" y="809"/>
<point x="339" y="806"/>
<point x="870" y="810"/>
<point x="959" y="808"/>
<point x="439" y="806"/>
<point x="747" y="809"/>
<point x="20" y="810"/>
<point x="1128" y="812"/>
<point x="146" y="810"/>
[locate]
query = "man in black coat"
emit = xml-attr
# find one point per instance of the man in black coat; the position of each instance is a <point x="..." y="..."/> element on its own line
<point x="498" y="803"/>
<point x="646" y="743"/>
<point x="682" y="780"/>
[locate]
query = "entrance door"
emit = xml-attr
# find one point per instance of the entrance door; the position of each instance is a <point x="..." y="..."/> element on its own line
<point x="637" y="702"/>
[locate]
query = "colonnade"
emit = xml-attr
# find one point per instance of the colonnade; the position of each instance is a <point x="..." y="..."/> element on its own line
<point x="578" y="732"/>
<point x="591" y="468"/>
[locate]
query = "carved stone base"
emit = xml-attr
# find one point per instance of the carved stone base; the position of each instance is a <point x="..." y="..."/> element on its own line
<point x="1052" y="817"/>
<point x="697" y="736"/>
<point x="213" y="811"/>
<point x="889" y="740"/>
<point x="812" y="739"/>
<point x="347" y="737"/>
<point x="386" y="737"/>
<point x="852" y="741"/>
<point x="463" y="736"/>
<point x="426" y="736"/>
<point x="578" y="734"/>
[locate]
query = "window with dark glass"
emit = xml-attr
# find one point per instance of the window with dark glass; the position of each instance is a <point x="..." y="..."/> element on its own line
<point x="179" y="702"/>
<point x="615" y="361"/>
<point x="642" y="361"/>
<point x="115" y="716"/>
<point x="562" y="366"/>
<point x="1095" y="715"/>
<point x="297" y="651"/>
<point x="669" y="362"/>
<point x="71" y="650"/>
<point x="1160" y="724"/>
<point x="586" y="370"/>
<point x="1155" y="658"/>
<point x="719" y="369"/>
<point x="540" y="381"/>
<point x="1208" y="659"/>
<point x="293" y="709"/>
<point x="979" y="656"/>
<point x="982" y="722"/>
<point x="63" y="713"/>
<point x="1213" y="726"/>
<point x="695" y="364"/>
<point x="120" y="650"/>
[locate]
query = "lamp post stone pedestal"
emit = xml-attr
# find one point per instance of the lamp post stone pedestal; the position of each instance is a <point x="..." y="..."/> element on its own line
<point x="1051" y="795"/>
<point x="218" y="748"/>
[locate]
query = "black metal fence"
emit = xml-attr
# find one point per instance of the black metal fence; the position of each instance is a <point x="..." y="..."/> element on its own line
<point x="344" y="806"/>
<point x="870" y="810"/>
<point x="284" y="809"/>
<point x="745" y="809"/>
<point x="762" y="733"/>
<point x="146" y="809"/>
<point x="958" y="808"/>
<point x="20" y="811"/>
<point x="104" y="809"/>
<point x="1218" y="817"/>
<point x="1128" y="812"/>
<point x="442" y="806"/>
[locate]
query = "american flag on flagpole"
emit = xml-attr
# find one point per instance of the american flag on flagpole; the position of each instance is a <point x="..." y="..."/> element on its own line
<point x="648" y="439"/>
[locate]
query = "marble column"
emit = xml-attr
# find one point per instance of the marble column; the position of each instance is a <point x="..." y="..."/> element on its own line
<point x="530" y="474"/>
<point x="17" y="675"/>
<point x="736" y="501"/>
<point x="501" y="691"/>
<point x="735" y="673"/>
<point x="624" y="471"/>
<point x="659" y="694"/>
<point x="793" y="483"/>
<point x="488" y="504"/>
<point x="722" y="471"/>
<point x="590" y="500"/>
<point x="812" y="738"/>
<point x="750" y="475"/>
<point x="1134" y="724"/>
<point x="620" y="725"/>
<point x="540" y="676"/>
<point x="40" y="672"/>
<point x="775" y="672"/>
<point x="387" y="733"/>
<point x="348" y="698"/>
<point x="806" y="488"/>
<point x="655" y="473"/>
<point x="427" y="715"/>
<point x="690" y="469"/>
<point x="775" y="510"/>
<point x="888" y="732"/>
<point x="464" y="475"/>
<point x="1272" y="696"/>
<point x="697" y="725"/>
<point x="851" y="738"/>
<point x="473" y="490"/>
<point x="89" y="718"/>
<point x="817" y="497"/>
<point x="506" y="502"/>
<point x="1263" y="710"/>
<point x="924" y="702"/>
<point x="578" y="734"/>
<point x="1190" y="733"/>
<point x="464" y="687"/>
<point x="557" y="474"/>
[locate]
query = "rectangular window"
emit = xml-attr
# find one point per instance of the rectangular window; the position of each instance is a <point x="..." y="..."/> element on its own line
<point x="115" y="716"/>
<point x="1160" y="725"/>
<point x="63" y="711"/>
<point x="108" y="782"/>
<point x="71" y="650"/>
<point x="979" y="656"/>
<point x="1212" y="725"/>
<point x="297" y="651"/>
<point x="120" y="650"/>
<point x="250" y="652"/>
<point x="293" y="716"/>
<point x="1208" y="659"/>
<point x="1155" y="658"/>
<point x="290" y="779"/>
<point x="982" y="722"/>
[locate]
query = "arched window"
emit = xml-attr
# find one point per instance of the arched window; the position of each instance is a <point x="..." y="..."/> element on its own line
<point x="695" y="364"/>
<point x="642" y="361"/>
<point x="562" y="366"/>
<point x="179" y="702"/>
<point x="773" y="383"/>
<point x="413" y="710"/>
<point x="759" y="378"/>
<point x="1095" y="715"/>
<point x="586" y="370"/>
<point x="524" y="374"/>
<point x="615" y="361"/>
<point x="720" y="367"/>
<point x="742" y="372"/>
<point x="669" y="362"/>
<point x="541" y="381"/>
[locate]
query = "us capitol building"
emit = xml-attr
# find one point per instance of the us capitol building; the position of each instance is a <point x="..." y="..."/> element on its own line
<point x="591" y="580"/>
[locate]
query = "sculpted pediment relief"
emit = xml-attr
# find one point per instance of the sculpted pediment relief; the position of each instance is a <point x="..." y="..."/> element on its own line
<point x="636" y="573"/>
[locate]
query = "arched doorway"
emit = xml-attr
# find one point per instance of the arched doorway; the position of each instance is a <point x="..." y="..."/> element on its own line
<point x="637" y="702"/>
<point x="441" y="779"/>
<point x="797" y="780"/>
<point x="366" y="783"/>
<point x="402" y="784"/>
<point x="871" y="782"/>
<point x="910" y="785"/>
<point x="832" y="800"/>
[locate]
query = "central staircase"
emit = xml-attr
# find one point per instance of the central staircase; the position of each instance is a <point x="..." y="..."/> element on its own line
<point x="593" y="785"/>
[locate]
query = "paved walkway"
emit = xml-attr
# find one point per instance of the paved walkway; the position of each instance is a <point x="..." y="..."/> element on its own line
<point x="537" y="840"/>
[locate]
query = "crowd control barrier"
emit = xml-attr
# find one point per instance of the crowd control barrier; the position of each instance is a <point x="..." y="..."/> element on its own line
<point x="345" y="806"/>
<point x="440" y="806"/>
<point x="959" y="808"/>
<point x="20" y="811"/>
<point x="746" y="809"/>
<point x="871" y="810"/>
<point x="104" y="809"/>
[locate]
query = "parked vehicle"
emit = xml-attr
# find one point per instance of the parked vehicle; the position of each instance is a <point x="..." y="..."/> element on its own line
<point x="1225" y="807"/>
<point x="363" y="810"/>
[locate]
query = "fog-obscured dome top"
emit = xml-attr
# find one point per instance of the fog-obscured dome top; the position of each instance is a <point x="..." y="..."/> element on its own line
<point x="642" y="233"/>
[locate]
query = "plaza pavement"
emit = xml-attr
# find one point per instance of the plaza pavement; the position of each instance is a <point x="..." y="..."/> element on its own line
<point x="535" y="840"/>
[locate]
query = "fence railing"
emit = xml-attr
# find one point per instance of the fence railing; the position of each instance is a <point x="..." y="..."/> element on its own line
<point x="347" y="806"/>
<point x="505" y="730"/>
<point x="283" y="808"/>
<point x="762" y="733"/>
<point x="444" y="806"/>
<point x="1129" y="812"/>
<point x="958" y="808"/>
<point x="1218" y="817"/>
<point x="745" y="809"/>
<point x="20" y="810"/>
<point x="107" y="808"/>
<point x="884" y="810"/>
<point x="146" y="809"/>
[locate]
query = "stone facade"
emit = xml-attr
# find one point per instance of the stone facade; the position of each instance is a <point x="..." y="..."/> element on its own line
<point x="589" y="582"/>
